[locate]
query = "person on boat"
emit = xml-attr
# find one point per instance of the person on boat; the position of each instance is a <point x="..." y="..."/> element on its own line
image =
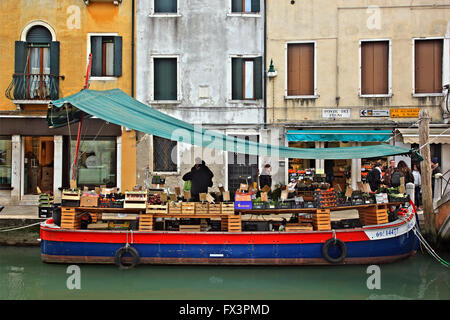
<point x="374" y="177"/>
<point x="200" y="177"/>
<point x="388" y="174"/>
<point x="406" y="172"/>
<point x="265" y="178"/>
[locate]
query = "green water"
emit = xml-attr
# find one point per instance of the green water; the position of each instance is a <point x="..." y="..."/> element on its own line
<point x="23" y="277"/>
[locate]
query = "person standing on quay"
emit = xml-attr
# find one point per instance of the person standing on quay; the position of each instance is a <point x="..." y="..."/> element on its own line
<point x="417" y="186"/>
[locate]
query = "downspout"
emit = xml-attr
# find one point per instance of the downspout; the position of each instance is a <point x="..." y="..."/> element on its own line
<point x="264" y="64"/>
<point x="132" y="46"/>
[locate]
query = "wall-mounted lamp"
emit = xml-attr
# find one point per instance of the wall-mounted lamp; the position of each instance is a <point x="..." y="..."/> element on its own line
<point x="292" y="1"/>
<point x="272" y="72"/>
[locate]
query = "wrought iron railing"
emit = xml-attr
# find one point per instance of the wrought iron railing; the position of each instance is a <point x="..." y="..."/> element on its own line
<point x="33" y="87"/>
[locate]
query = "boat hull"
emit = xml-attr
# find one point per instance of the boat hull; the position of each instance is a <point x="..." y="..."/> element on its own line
<point x="368" y="245"/>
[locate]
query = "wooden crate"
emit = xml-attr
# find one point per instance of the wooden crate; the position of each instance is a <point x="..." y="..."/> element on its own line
<point x="299" y="227"/>
<point x="174" y="207"/>
<point x="215" y="208"/>
<point x="224" y="223"/>
<point x="187" y="208"/>
<point x="70" y="220"/>
<point x="88" y="201"/>
<point x="189" y="227"/>
<point x="146" y="222"/>
<point x="157" y="209"/>
<point x="234" y="223"/>
<point x="321" y="220"/>
<point x="227" y="208"/>
<point x="373" y="215"/>
<point x="201" y="208"/>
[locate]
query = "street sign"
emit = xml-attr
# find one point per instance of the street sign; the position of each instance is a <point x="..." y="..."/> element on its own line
<point x="405" y="112"/>
<point x="336" y="113"/>
<point x="373" y="113"/>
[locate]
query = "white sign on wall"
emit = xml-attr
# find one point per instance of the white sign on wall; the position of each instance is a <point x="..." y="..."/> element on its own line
<point x="336" y="113"/>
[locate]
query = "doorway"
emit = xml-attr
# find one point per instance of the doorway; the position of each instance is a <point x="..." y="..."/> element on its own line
<point x="38" y="154"/>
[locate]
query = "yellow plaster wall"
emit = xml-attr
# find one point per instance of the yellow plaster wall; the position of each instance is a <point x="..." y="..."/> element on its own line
<point x="71" y="31"/>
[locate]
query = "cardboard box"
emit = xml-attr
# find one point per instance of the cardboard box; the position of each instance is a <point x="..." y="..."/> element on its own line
<point x="239" y="205"/>
<point x="243" y="197"/>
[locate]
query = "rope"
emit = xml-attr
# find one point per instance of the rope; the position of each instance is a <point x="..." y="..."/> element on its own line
<point x="428" y="247"/>
<point x="23" y="227"/>
<point x="435" y="137"/>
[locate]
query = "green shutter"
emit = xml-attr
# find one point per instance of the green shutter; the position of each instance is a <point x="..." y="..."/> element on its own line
<point x="165" y="79"/>
<point x="255" y="5"/>
<point x="20" y="61"/>
<point x="165" y="6"/>
<point x="97" y="56"/>
<point x="236" y="79"/>
<point x="236" y="6"/>
<point x="117" y="56"/>
<point x="258" y="77"/>
<point x="54" y="58"/>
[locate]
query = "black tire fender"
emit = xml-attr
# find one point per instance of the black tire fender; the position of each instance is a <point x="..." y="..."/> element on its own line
<point x="334" y="242"/>
<point x="121" y="252"/>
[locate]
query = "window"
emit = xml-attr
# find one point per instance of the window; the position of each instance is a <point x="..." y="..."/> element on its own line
<point x="5" y="162"/>
<point x="246" y="77"/>
<point x="428" y="66"/>
<point x="106" y="56"/>
<point x="165" y="155"/>
<point x="165" y="6"/>
<point x="36" y="66"/>
<point x="165" y="79"/>
<point x="245" y="6"/>
<point x="375" y="68"/>
<point x="300" y="69"/>
<point x="97" y="161"/>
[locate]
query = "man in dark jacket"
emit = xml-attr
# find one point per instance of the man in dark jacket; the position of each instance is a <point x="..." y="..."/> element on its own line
<point x="201" y="178"/>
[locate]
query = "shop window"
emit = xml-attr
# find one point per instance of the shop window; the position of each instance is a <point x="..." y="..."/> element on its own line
<point x="165" y="155"/>
<point x="375" y="68"/>
<point x="246" y="78"/>
<point x="300" y="69"/>
<point x="97" y="162"/>
<point x="245" y="6"/>
<point x="428" y="66"/>
<point x="165" y="78"/>
<point x="5" y="162"/>
<point x="106" y="56"/>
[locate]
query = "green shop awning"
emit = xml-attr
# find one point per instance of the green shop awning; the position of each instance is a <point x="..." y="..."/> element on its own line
<point x="339" y="135"/>
<point x="117" y="107"/>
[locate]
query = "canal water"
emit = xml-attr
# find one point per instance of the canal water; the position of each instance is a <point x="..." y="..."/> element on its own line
<point x="23" y="276"/>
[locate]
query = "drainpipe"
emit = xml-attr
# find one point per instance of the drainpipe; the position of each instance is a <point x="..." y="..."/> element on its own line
<point x="132" y="46"/>
<point x="264" y="64"/>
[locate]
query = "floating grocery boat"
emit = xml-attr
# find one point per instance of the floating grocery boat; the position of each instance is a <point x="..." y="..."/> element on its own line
<point x="368" y="244"/>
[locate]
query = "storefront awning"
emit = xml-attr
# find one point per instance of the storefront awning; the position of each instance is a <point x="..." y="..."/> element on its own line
<point x="339" y="135"/>
<point x="117" y="107"/>
<point x="436" y="135"/>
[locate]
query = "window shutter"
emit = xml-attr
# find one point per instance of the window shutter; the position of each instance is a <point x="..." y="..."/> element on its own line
<point x="255" y="5"/>
<point x="236" y="79"/>
<point x="20" y="59"/>
<point x="54" y="58"/>
<point x="258" y="74"/>
<point x="428" y="66"/>
<point x="97" y="56"/>
<point x="236" y="6"/>
<point x="165" y="79"/>
<point x="117" y="56"/>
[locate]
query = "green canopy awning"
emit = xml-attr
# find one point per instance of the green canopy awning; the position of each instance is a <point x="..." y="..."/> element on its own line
<point x="339" y="135"/>
<point x="115" y="106"/>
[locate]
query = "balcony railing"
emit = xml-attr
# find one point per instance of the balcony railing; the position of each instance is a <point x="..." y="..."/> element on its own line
<point x="33" y="87"/>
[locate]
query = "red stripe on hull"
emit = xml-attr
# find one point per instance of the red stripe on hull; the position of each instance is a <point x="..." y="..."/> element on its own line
<point x="225" y="261"/>
<point x="175" y="237"/>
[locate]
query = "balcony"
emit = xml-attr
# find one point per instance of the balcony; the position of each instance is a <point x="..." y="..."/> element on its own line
<point x="33" y="88"/>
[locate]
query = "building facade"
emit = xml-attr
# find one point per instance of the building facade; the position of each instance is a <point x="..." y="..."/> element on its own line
<point x="204" y="64"/>
<point x="362" y="69"/>
<point x="45" y="54"/>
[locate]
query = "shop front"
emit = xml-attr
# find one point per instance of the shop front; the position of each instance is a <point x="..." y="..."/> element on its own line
<point x="36" y="159"/>
<point x="340" y="172"/>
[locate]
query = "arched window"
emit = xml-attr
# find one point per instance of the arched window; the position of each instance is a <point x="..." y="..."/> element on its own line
<point x="36" y="68"/>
